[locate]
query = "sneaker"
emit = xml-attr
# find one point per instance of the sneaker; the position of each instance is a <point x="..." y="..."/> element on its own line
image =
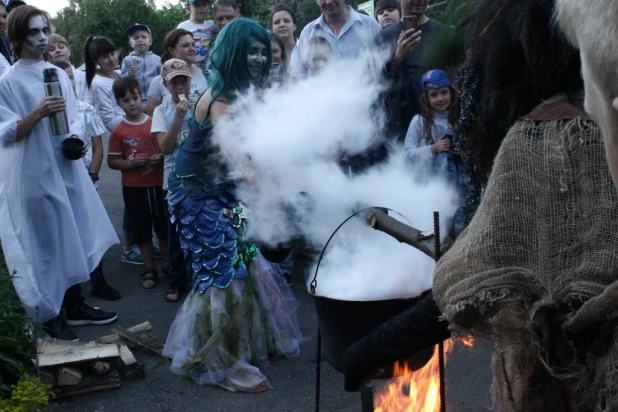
<point x="132" y="256"/>
<point x="104" y="291"/>
<point x="157" y="251"/>
<point x="87" y="315"/>
<point x="57" y="328"/>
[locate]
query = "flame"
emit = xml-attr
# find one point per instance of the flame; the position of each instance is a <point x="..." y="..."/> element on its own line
<point x="467" y="340"/>
<point x="413" y="391"/>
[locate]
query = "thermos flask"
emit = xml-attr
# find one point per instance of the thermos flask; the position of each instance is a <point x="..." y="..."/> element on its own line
<point x="58" y="120"/>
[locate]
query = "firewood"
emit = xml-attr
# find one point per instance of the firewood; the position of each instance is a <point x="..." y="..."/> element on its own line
<point x="143" y="330"/>
<point x="89" y="383"/>
<point x="75" y="354"/>
<point x="47" y="377"/>
<point x="98" y="368"/>
<point x="68" y="376"/>
<point x="129" y="366"/>
<point x="151" y="345"/>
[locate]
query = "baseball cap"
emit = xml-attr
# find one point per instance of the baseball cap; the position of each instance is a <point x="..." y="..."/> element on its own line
<point x="193" y="1"/>
<point x="11" y="4"/>
<point x="436" y="79"/>
<point x="173" y="68"/>
<point x="136" y="27"/>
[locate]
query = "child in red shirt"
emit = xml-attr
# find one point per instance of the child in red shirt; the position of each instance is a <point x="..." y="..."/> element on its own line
<point x="134" y="151"/>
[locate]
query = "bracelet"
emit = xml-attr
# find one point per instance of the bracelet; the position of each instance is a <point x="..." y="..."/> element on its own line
<point x="94" y="176"/>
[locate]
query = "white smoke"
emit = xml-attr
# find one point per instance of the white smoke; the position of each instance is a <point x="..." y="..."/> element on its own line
<point x="293" y="137"/>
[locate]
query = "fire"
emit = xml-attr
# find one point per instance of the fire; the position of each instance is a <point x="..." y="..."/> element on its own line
<point x="467" y="340"/>
<point x="412" y="391"/>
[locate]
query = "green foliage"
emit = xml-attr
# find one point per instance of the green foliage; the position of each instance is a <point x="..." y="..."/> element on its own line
<point x="29" y="395"/>
<point x="110" y="19"/>
<point x="16" y="341"/>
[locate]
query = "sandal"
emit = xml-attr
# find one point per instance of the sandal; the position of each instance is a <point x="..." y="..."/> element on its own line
<point x="173" y="291"/>
<point x="150" y="278"/>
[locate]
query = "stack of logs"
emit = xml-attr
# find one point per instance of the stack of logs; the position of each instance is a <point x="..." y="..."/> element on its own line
<point x="74" y="368"/>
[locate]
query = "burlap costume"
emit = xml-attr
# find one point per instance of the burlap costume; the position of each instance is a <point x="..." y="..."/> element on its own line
<point x="536" y="269"/>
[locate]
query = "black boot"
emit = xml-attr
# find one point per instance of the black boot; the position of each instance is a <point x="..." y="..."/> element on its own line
<point x="57" y="328"/>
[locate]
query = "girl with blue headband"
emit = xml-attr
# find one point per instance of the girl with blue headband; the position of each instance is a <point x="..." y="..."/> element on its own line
<point x="240" y="312"/>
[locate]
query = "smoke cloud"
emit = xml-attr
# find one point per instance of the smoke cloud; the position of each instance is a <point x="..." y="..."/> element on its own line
<point x="294" y="137"/>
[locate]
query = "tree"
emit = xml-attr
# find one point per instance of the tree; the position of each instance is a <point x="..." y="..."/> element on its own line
<point x="110" y="19"/>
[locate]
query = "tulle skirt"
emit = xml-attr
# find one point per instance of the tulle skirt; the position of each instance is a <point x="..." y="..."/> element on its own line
<point x="224" y="336"/>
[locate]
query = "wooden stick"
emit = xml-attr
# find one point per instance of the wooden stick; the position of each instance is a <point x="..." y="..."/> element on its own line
<point x="89" y="383"/>
<point x="380" y="220"/>
<point x="156" y="348"/>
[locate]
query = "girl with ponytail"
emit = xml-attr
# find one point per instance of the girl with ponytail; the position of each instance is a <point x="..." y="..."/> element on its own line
<point x="101" y="52"/>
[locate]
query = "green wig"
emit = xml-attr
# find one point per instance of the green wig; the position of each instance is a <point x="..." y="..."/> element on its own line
<point x="229" y="73"/>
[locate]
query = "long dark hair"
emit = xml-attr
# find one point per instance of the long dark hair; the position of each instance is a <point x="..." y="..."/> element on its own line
<point x="170" y="41"/>
<point x="427" y="113"/>
<point x="95" y="47"/>
<point x="516" y="59"/>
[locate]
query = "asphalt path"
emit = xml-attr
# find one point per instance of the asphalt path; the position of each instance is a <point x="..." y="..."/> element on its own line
<point x="468" y="376"/>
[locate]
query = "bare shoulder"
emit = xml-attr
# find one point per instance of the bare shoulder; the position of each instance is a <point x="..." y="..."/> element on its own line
<point x="218" y="108"/>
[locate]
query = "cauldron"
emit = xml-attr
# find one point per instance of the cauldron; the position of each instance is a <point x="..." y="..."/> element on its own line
<point x="344" y="322"/>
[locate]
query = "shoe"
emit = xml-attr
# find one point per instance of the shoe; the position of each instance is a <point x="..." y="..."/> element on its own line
<point x="87" y="315"/>
<point x="132" y="256"/>
<point x="157" y="252"/>
<point x="57" y="328"/>
<point x="104" y="291"/>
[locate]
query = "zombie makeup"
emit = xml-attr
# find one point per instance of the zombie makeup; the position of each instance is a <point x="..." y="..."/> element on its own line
<point x="257" y="58"/>
<point x="37" y="38"/>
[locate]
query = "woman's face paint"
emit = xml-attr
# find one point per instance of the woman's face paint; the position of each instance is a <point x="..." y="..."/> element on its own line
<point x="257" y="58"/>
<point x="37" y="38"/>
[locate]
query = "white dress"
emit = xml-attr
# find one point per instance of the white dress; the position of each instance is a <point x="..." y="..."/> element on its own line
<point x="54" y="228"/>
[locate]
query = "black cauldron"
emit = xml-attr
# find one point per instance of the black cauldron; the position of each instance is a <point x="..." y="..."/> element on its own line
<point x="344" y="322"/>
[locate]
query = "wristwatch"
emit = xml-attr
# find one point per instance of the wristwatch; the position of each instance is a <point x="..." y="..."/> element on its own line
<point x="94" y="176"/>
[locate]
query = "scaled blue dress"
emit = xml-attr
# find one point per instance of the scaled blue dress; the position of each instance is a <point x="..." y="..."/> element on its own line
<point x="240" y="312"/>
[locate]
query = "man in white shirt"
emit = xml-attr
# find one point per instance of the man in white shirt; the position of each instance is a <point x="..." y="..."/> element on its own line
<point x="347" y="32"/>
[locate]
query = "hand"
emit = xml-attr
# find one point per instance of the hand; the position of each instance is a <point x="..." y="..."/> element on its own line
<point x="132" y="71"/>
<point x="50" y="105"/>
<point x="141" y="160"/>
<point x="407" y="41"/>
<point x="85" y="150"/>
<point x="442" y="145"/>
<point x="182" y="108"/>
<point x="457" y="149"/>
<point x="156" y="159"/>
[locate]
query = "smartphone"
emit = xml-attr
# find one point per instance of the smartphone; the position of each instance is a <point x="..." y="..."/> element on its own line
<point x="410" y="22"/>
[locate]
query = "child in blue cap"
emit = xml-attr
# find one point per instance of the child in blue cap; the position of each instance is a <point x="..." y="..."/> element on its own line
<point x="141" y="64"/>
<point x="429" y="140"/>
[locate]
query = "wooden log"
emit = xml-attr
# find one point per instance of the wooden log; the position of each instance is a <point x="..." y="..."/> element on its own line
<point x="151" y="344"/>
<point x="47" y="377"/>
<point x="68" y="376"/>
<point x="75" y="354"/>
<point x="89" y="383"/>
<point x="378" y="219"/>
<point x="129" y="366"/>
<point x="98" y="368"/>
<point x="143" y="330"/>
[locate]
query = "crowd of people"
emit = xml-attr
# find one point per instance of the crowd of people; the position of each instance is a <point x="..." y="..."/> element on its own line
<point x="180" y="199"/>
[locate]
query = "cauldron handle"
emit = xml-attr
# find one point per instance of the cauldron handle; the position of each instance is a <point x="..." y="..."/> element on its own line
<point x="374" y="223"/>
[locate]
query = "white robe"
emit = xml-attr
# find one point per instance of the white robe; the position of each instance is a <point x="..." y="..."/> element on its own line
<point x="53" y="226"/>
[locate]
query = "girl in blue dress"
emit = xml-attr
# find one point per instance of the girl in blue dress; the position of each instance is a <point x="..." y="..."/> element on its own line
<point x="240" y="314"/>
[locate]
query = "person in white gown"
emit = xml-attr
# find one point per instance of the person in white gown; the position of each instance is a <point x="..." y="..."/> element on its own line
<point x="54" y="228"/>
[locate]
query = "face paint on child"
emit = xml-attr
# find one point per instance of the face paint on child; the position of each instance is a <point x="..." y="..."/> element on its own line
<point x="257" y="58"/>
<point x="37" y="39"/>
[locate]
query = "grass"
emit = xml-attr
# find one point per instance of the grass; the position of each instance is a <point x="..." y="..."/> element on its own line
<point x="17" y="345"/>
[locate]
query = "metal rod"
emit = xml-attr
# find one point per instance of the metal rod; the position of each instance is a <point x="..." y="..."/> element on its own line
<point x="367" y="399"/>
<point x="436" y="231"/>
<point x="318" y="372"/>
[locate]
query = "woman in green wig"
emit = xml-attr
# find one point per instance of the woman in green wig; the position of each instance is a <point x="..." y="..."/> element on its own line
<point x="240" y="313"/>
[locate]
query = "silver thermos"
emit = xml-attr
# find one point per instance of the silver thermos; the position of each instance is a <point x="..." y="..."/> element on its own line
<point x="58" y="120"/>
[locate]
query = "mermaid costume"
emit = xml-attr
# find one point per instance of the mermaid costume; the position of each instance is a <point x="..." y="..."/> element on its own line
<point x="240" y="312"/>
